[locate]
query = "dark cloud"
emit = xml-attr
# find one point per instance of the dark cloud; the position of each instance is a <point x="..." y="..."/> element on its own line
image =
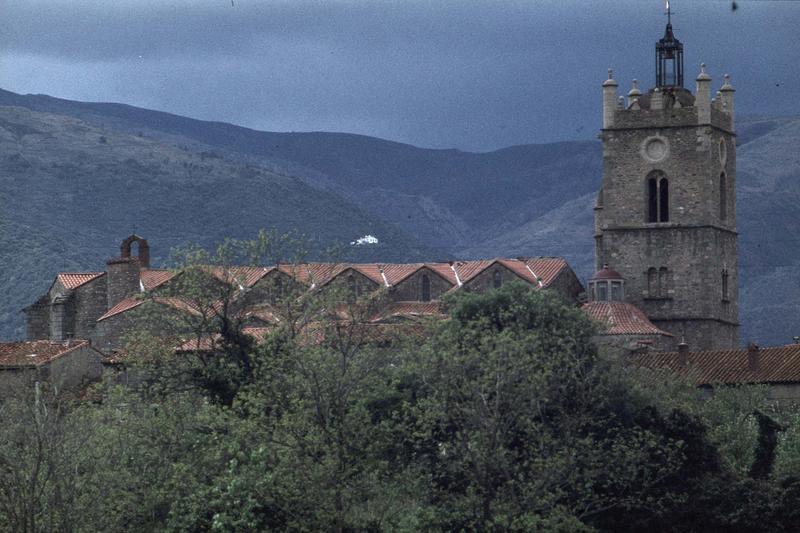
<point x="476" y="75"/>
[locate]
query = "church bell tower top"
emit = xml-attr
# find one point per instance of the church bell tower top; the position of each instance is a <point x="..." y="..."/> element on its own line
<point x="669" y="57"/>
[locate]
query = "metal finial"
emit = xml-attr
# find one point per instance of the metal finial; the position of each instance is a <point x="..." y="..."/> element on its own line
<point x="611" y="74"/>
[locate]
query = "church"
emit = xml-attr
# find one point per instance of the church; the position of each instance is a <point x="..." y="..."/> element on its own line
<point x="665" y="242"/>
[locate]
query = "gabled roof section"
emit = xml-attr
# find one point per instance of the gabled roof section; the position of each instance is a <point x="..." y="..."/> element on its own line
<point x="127" y="304"/>
<point x="73" y="280"/>
<point x="152" y="279"/>
<point x="539" y="271"/>
<point x="545" y="269"/>
<point x="397" y="273"/>
<point x="621" y="318"/>
<point x="779" y="364"/>
<point x="36" y="353"/>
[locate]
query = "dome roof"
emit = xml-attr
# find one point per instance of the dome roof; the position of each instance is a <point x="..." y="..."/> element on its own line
<point x="606" y="273"/>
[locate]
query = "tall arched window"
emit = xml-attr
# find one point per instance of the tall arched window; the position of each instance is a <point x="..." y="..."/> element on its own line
<point x="425" y="288"/>
<point x="657" y="197"/>
<point x="723" y="196"/>
<point x="497" y="279"/>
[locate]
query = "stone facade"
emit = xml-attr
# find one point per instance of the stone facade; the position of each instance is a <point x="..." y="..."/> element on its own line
<point x="665" y="216"/>
<point x="413" y="287"/>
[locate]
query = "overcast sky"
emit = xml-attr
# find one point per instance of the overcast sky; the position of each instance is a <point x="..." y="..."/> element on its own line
<point x="475" y="75"/>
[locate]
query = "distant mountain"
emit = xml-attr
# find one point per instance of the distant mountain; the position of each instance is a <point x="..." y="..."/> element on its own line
<point x="447" y="198"/>
<point x="523" y="200"/>
<point x="70" y="191"/>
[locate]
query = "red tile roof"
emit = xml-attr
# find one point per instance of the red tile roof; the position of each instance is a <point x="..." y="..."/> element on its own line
<point x="154" y="278"/>
<point x="36" y="353"/>
<point x="126" y="304"/>
<point x="779" y="364"/>
<point x="620" y="318"/>
<point x="73" y="280"/>
<point x="408" y="310"/>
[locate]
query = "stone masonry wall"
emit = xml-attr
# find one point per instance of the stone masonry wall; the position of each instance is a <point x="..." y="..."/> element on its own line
<point x="90" y="304"/>
<point x="410" y="289"/>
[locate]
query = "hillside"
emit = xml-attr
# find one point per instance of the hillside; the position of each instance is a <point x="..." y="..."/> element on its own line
<point x="523" y="200"/>
<point x="70" y="191"/>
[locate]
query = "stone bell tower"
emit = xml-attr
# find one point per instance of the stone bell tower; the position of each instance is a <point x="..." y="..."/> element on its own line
<point x="665" y="216"/>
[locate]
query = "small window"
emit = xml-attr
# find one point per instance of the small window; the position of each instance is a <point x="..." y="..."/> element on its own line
<point x="663" y="282"/>
<point x="652" y="283"/>
<point x="616" y="291"/>
<point x="602" y="291"/>
<point x="425" y="288"/>
<point x="497" y="280"/>
<point x="725" y="285"/>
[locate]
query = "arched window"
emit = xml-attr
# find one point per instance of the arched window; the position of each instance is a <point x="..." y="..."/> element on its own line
<point x="652" y="282"/>
<point x="723" y="196"/>
<point x="497" y="279"/>
<point x="425" y="288"/>
<point x="657" y="197"/>
<point x="663" y="282"/>
<point x="725" y="284"/>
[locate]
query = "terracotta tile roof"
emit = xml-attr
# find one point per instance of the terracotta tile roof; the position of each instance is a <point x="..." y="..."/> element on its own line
<point x="263" y="313"/>
<point x="36" y="353"/>
<point x="540" y="271"/>
<point x="154" y="278"/>
<point x="408" y="310"/>
<point x="127" y="304"/>
<point x="246" y="276"/>
<point x="547" y="269"/>
<point x="620" y="318"/>
<point x="778" y="364"/>
<point x="207" y="343"/>
<point x="469" y="269"/>
<point x="73" y="280"/>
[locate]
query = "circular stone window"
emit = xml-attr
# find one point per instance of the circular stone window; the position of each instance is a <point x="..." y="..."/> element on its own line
<point x="655" y="149"/>
<point x="723" y="152"/>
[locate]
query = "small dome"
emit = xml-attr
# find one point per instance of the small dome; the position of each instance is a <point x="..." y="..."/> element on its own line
<point x="607" y="273"/>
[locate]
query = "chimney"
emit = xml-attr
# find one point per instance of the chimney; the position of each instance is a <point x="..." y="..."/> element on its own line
<point x="683" y="354"/>
<point x="753" y="354"/>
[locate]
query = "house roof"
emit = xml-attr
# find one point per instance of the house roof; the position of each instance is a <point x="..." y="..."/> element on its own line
<point x="407" y="310"/>
<point x="154" y="278"/>
<point x="126" y="304"/>
<point x="621" y="318"/>
<point x="36" y="353"/>
<point x="73" y="280"/>
<point x="778" y="364"/>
